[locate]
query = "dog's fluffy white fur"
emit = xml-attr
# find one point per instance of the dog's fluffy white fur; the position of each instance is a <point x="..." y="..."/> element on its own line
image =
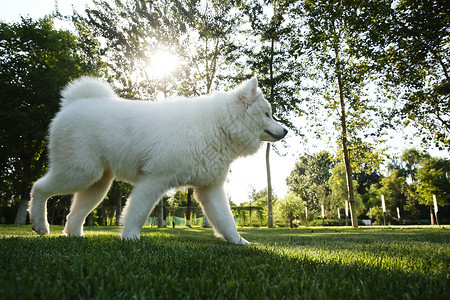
<point x="98" y="136"/>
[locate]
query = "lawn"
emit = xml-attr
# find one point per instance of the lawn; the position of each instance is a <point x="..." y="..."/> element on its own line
<point x="305" y="263"/>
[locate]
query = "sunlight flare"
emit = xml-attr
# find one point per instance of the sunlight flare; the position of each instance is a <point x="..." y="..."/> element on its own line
<point x="162" y="64"/>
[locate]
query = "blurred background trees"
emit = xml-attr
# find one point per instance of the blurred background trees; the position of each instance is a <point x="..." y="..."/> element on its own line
<point x="36" y="62"/>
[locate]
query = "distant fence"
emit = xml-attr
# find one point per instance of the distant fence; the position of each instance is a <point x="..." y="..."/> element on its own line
<point x="243" y="216"/>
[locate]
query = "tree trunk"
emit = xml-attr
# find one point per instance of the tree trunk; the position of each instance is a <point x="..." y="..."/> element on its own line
<point x="271" y="100"/>
<point x="348" y="168"/>
<point x="188" y="207"/>
<point x="269" y="189"/>
<point x="351" y="195"/>
<point x="119" y="208"/>
<point x="21" y="216"/>
<point x="205" y="222"/>
<point x="89" y="218"/>
<point x="166" y="212"/>
<point x="161" y="213"/>
<point x="22" y="212"/>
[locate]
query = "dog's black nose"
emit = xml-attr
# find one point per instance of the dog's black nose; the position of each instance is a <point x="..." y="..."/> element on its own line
<point x="285" y="132"/>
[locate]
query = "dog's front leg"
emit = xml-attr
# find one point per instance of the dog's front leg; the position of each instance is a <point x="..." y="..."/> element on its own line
<point x="144" y="197"/>
<point x="217" y="210"/>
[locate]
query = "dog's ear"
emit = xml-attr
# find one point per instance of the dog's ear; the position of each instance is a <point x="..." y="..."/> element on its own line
<point x="253" y="85"/>
<point x="247" y="92"/>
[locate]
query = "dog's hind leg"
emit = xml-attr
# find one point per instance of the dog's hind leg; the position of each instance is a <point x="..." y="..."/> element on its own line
<point x="144" y="197"/>
<point x="37" y="207"/>
<point x="51" y="184"/>
<point x="58" y="181"/>
<point x="85" y="201"/>
<point x="217" y="209"/>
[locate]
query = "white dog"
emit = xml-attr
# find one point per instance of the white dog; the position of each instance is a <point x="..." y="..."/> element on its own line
<point x="97" y="137"/>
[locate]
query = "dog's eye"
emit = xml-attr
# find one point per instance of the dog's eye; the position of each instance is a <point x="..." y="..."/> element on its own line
<point x="267" y="115"/>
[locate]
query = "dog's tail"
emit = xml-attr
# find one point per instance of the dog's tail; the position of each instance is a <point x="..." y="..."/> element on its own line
<point x="85" y="88"/>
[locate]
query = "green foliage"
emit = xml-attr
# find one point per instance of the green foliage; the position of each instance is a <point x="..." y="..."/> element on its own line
<point x="180" y="199"/>
<point x="412" y="159"/>
<point x="408" y="41"/>
<point x="126" y="27"/>
<point x="335" y="60"/>
<point x="258" y="198"/>
<point x="428" y="177"/>
<point x="342" y="77"/>
<point x="339" y="190"/>
<point x="247" y="215"/>
<point x="289" y="208"/>
<point x="395" y="191"/>
<point x="198" y="32"/>
<point x="434" y="179"/>
<point x="310" y="179"/>
<point x="255" y="212"/>
<point x="268" y="54"/>
<point x="368" y="263"/>
<point x="378" y="216"/>
<point x="36" y="62"/>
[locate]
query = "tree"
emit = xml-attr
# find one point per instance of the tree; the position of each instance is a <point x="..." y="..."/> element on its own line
<point x="433" y="179"/>
<point x="309" y="180"/>
<point x="406" y="168"/>
<point x="36" y="62"/>
<point x="408" y="42"/>
<point x="412" y="159"/>
<point x="114" y="200"/>
<point x="290" y="208"/>
<point x="270" y="57"/>
<point x="339" y="189"/>
<point x="211" y="27"/>
<point x="125" y="40"/>
<point x="342" y="74"/>
<point x="198" y="32"/>
<point x="395" y="191"/>
<point x="256" y="195"/>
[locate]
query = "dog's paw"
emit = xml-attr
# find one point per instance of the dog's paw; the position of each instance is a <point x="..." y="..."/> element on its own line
<point x="130" y="236"/>
<point x="244" y="242"/>
<point x="240" y="241"/>
<point x="43" y="229"/>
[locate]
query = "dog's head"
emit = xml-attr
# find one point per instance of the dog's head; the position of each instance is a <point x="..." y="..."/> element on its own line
<point x="258" y="113"/>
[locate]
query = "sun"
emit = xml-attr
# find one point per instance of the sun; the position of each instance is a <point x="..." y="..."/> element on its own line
<point x="162" y="64"/>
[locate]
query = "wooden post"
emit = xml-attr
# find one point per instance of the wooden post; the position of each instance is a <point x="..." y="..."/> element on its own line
<point x="436" y="209"/>
<point x="323" y="216"/>
<point x="383" y="205"/>
<point x="339" y="216"/>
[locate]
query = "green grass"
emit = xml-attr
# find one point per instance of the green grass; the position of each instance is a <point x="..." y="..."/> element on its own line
<point x="363" y="263"/>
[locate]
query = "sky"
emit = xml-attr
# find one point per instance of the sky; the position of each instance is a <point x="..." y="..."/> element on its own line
<point x="246" y="173"/>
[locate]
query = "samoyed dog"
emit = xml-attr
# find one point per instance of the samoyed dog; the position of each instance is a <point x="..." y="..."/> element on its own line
<point x="97" y="137"/>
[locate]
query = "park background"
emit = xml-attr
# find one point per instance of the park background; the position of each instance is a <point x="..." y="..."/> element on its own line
<point x="395" y="90"/>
